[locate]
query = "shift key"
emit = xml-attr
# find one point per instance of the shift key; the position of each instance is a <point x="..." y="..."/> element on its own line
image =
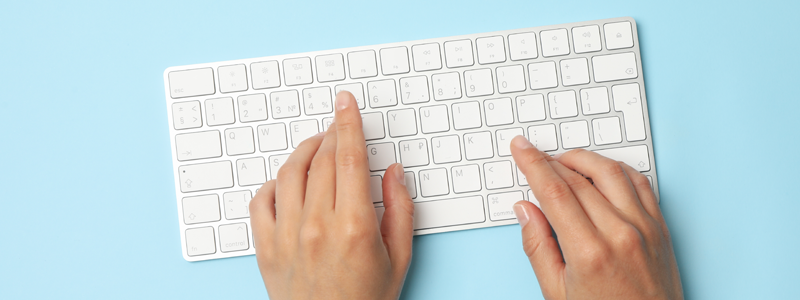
<point x="201" y="177"/>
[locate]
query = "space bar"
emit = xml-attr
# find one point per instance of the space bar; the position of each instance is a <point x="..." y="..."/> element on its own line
<point x="450" y="212"/>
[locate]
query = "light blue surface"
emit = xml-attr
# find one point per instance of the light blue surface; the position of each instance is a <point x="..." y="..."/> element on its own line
<point x="88" y="208"/>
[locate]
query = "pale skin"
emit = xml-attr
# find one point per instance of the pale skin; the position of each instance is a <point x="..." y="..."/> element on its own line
<point x="317" y="236"/>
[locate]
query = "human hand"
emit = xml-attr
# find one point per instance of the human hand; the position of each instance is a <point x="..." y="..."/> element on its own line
<point x="315" y="230"/>
<point x="614" y="240"/>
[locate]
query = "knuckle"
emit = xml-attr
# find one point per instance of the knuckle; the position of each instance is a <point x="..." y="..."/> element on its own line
<point x="611" y="168"/>
<point x="288" y="170"/>
<point x="353" y="158"/>
<point x="555" y="190"/>
<point x="532" y="158"/>
<point x="311" y="233"/>
<point x="595" y="258"/>
<point x="353" y="231"/>
<point x="628" y="239"/>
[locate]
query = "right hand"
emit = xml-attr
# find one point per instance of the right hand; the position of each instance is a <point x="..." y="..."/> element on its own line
<point x="614" y="240"/>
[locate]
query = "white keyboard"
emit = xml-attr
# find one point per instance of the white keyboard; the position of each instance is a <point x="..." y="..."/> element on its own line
<point x="445" y="108"/>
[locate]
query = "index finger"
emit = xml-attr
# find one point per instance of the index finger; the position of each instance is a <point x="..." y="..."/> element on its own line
<point x="352" y="166"/>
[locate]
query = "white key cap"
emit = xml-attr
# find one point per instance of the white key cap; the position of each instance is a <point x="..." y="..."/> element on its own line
<point x="543" y="137"/>
<point x="521" y="179"/>
<point x="382" y="93"/>
<point x="379" y="213"/>
<point x="232" y="78"/>
<point x="186" y="115"/>
<point x="562" y="104"/>
<point x="219" y="111"/>
<point x="284" y="104"/>
<point x="239" y="141"/>
<point x="433" y="182"/>
<point x="574" y="71"/>
<point x="446" y="149"/>
<point x="376" y="188"/>
<point x="504" y="138"/>
<point x="190" y="83"/>
<point x="574" y="134"/>
<point x="200" y="241"/>
<point x="330" y="67"/>
<point x="356" y="89"/>
<point x="317" y="100"/>
<point x="498" y="111"/>
<point x="466" y="178"/>
<point x="606" y="131"/>
<point x="414" y="153"/>
<point x="208" y="176"/>
<point x="326" y="122"/>
<point x="198" y="145"/>
<point x="297" y="71"/>
<point x="381" y="156"/>
<point x="301" y="130"/>
<point x="414" y="90"/>
<point x="446" y="86"/>
<point x="265" y="74"/>
<point x="618" y="35"/>
<point x="466" y="115"/>
<point x="501" y="206"/>
<point x="252" y="108"/>
<point x="530" y="108"/>
<point x="478" y="82"/>
<point x="522" y="46"/>
<point x="362" y="64"/>
<point x="372" y="124"/>
<point x="426" y="57"/>
<point x="434" y="118"/>
<point x="450" y="212"/>
<point x="275" y="164"/>
<point x="532" y="199"/>
<point x="627" y="99"/>
<point x="586" y="39"/>
<point x="498" y="175"/>
<point x="542" y="75"/>
<point x="594" y="100"/>
<point x="402" y="122"/>
<point x="510" y="79"/>
<point x="635" y="156"/>
<point x="554" y="42"/>
<point x="394" y="60"/>
<point x="233" y="237"/>
<point x="272" y="137"/>
<point x="237" y="204"/>
<point x="614" y="67"/>
<point x="251" y="171"/>
<point x="478" y="145"/>
<point x="458" y="53"/>
<point x="491" y="50"/>
<point x="411" y="184"/>
<point x="201" y="209"/>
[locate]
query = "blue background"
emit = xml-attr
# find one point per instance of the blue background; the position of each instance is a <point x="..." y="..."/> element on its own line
<point x="88" y="208"/>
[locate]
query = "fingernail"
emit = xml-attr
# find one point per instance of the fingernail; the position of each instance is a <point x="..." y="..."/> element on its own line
<point x="343" y="100"/>
<point x="522" y="215"/>
<point x="521" y="142"/>
<point x="399" y="174"/>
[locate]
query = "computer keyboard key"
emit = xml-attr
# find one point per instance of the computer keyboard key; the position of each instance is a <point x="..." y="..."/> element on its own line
<point x="207" y="176"/>
<point x="450" y="212"/>
<point x="498" y="175"/>
<point x="297" y="71"/>
<point x="201" y="209"/>
<point x="272" y="137"/>
<point x="252" y="107"/>
<point x="478" y="82"/>
<point x="382" y="93"/>
<point x="498" y="111"/>
<point x="628" y="100"/>
<point x="414" y="90"/>
<point x="357" y="89"/>
<point x="237" y="204"/>
<point x="614" y="67"/>
<point x="362" y="64"/>
<point x="233" y="237"/>
<point x="394" y="60"/>
<point x="574" y="134"/>
<point x="466" y="115"/>
<point x="219" y="111"/>
<point x="381" y="156"/>
<point x="434" y="119"/>
<point x="379" y="210"/>
<point x="232" y="78"/>
<point x="491" y="49"/>
<point x="446" y="149"/>
<point x="411" y="184"/>
<point x="554" y="42"/>
<point x="594" y="100"/>
<point x="317" y="100"/>
<point x="275" y="164"/>
<point x="586" y="39"/>
<point x="433" y="182"/>
<point x="574" y="71"/>
<point x="402" y="122"/>
<point x="522" y="46"/>
<point x="426" y="57"/>
<point x="200" y="241"/>
<point x="466" y="178"/>
<point x="198" y="145"/>
<point x="239" y="141"/>
<point x="330" y="67"/>
<point x="530" y="108"/>
<point x="190" y="83"/>
<point x="251" y="171"/>
<point x="265" y="74"/>
<point x="414" y="153"/>
<point x="285" y="104"/>
<point x="618" y="35"/>
<point x="376" y="188"/>
<point x="562" y="104"/>
<point x="458" y="53"/>
<point x="504" y="137"/>
<point x="510" y="79"/>
<point x="326" y="122"/>
<point x="478" y="145"/>
<point x="532" y="199"/>
<point x="501" y="206"/>
<point x="446" y="86"/>
<point x="372" y="124"/>
<point x="542" y="75"/>
<point x="301" y="130"/>
<point x="521" y="179"/>
<point x="186" y="115"/>
<point x="635" y="156"/>
<point x="606" y="131"/>
<point x="543" y="137"/>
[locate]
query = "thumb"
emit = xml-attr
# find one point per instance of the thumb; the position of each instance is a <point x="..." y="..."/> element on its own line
<point x="397" y="227"/>
<point x="542" y="249"/>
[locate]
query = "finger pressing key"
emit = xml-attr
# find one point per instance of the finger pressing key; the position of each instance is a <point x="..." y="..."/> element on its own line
<point x="352" y="173"/>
